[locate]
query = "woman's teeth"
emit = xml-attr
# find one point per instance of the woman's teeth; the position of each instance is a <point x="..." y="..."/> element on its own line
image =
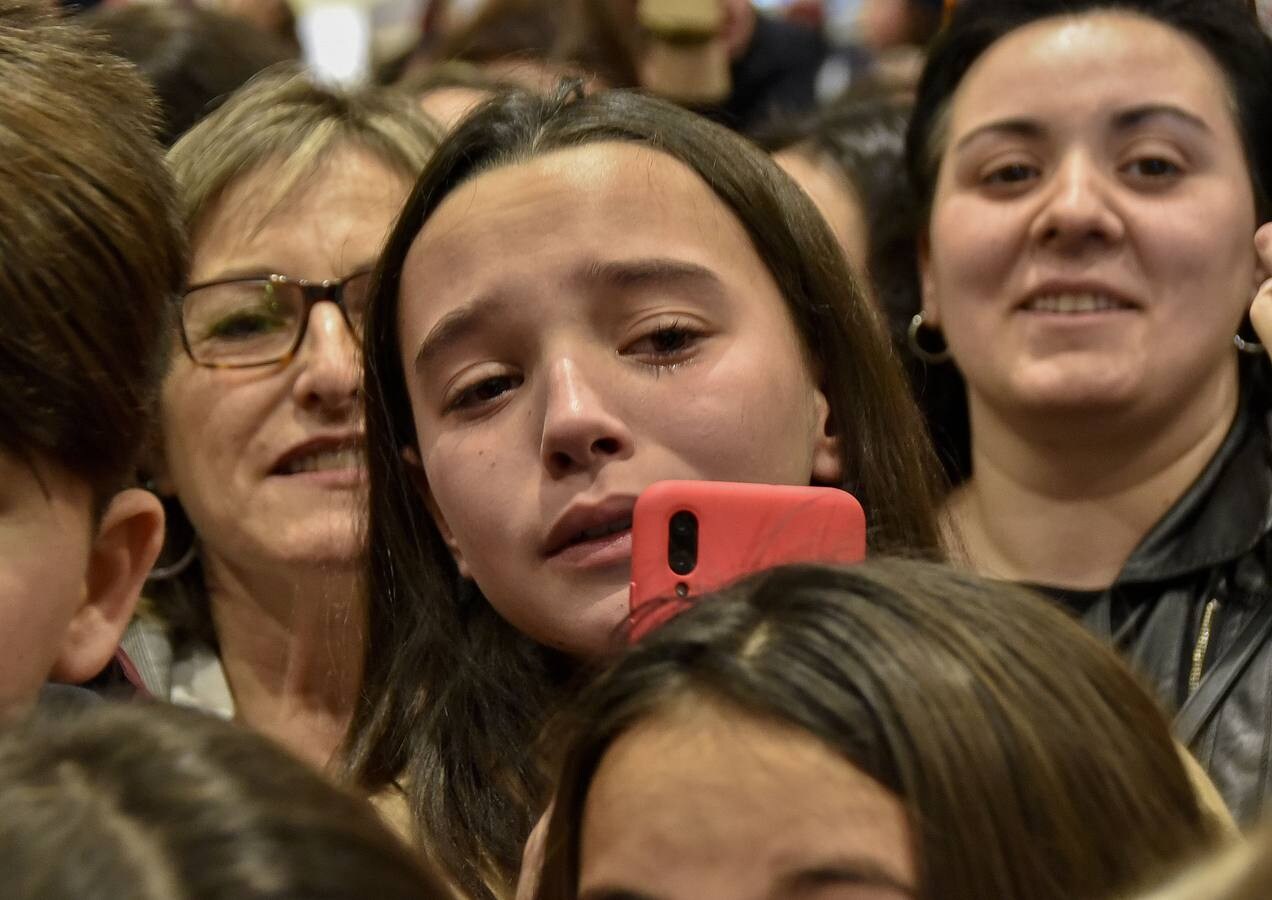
<point x="1073" y="303"/>
<point x="326" y="460"/>
<point x="601" y="531"/>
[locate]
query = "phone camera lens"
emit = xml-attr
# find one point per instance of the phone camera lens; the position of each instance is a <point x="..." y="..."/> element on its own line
<point x="682" y="543"/>
<point x="681" y="563"/>
<point x="684" y="524"/>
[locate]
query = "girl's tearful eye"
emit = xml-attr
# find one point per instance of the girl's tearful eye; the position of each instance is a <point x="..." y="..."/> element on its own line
<point x="667" y="342"/>
<point x="483" y="392"/>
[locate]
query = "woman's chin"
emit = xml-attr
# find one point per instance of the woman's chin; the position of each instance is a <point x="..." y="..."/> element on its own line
<point x="1073" y="392"/>
<point x="329" y="547"/>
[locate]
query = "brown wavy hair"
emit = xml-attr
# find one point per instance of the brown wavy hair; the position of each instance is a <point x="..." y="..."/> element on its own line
<point x="1031" y="763"/>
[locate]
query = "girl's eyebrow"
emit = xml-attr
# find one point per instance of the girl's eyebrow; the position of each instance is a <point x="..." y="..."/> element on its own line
<point x="648" y="272"/>
<point x="458" y="324"/>
<point x="633" y="274"/>
<point x="604" y="892"/>
<point x="850" y="870"/>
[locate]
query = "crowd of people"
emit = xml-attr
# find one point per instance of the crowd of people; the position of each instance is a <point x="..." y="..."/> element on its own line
<point x="324" y="410"/>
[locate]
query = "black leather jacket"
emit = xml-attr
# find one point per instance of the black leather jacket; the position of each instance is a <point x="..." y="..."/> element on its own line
<point x="1192" y="611"/>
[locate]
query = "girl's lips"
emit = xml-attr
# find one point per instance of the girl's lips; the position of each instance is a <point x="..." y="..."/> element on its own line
<point x="609" y="550"/>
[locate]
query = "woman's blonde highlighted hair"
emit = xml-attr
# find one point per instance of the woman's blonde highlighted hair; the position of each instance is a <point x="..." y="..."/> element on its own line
<point x="282" y="116"/>
<point x="284" y="120"/>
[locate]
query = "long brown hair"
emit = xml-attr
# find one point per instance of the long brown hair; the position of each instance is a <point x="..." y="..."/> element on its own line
<point x="1031" y="763"/>
<point x="454" y="696"/>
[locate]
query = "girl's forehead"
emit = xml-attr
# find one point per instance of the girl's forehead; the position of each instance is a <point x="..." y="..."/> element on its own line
<point x="606" y="200"/>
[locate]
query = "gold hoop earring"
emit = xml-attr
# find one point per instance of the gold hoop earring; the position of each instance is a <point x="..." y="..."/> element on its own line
<point x="930" y="357"/>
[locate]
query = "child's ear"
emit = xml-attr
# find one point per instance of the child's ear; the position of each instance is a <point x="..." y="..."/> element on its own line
<point x="415" y="472"/>
<point x="828" y="466"/>
<point x="128" y="540"/>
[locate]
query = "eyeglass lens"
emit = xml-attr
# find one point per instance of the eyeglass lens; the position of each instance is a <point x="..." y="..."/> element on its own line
<point x="251" y="322"/>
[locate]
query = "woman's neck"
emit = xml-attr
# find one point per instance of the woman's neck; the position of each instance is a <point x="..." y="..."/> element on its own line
<point x="291" y="643"/>
<point x="1068" y="508"/>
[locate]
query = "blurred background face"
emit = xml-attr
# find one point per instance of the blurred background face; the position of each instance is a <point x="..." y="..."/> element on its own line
<point x="706" y="801"/>
<point x="834" y="197"/>
<point x="46" y="530"/>
<point x="885" y="23"/>
<point x="1091" y="233"/>
<point x="266" y="460"/>
<point x="573" y="329"/>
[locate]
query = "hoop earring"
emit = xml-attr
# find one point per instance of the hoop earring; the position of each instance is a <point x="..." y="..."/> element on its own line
<point x="930" y="357"/>
<point x="1254" y="348"/>
<point x="172" y="513"/>
<point x="163" y="573"/>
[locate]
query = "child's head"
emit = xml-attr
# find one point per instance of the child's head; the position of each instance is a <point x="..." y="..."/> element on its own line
<point x="894" y="725"/>
<point x="589" y="295"/>
<point x="154" y="802"/>
<point x="93" y="256"/>
<point x="583" y="296"/>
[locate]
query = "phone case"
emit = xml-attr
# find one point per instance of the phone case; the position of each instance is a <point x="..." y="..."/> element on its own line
<point x="741" y="529"/>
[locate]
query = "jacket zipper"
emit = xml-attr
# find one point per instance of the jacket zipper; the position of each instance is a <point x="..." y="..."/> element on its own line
<point x="1202" y="645"/>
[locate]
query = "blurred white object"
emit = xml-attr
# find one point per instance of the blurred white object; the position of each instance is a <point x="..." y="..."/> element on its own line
<point x="335" y="39"/>
<point x="843" y="19"/>
<point x="343" y="40"/>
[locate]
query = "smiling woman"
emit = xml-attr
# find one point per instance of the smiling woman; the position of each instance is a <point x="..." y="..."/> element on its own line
<point x="288" y="192"/>
<point x="585" y="296"/>
<point x="1094" y="174"/>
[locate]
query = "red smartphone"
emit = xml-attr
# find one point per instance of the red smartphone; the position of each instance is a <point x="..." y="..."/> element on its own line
<point x="692" y="537"/>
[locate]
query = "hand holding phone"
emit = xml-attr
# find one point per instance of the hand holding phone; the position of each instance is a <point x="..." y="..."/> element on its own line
<point x="693" y="537"/>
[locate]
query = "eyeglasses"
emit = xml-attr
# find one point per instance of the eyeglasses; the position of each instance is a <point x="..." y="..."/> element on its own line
<point x="242" y="322"/>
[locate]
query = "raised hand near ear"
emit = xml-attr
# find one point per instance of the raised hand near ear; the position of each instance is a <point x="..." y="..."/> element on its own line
<point x="1261" y="308"/>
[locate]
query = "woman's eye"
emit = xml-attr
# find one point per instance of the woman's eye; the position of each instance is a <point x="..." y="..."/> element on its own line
<point x="244" y="325"/>
<point x="483" y="392"/>
<point x="1011" y="174"/>
<point x="1153" y="168"/>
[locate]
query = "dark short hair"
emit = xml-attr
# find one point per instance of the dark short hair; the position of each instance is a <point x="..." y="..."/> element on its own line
<point x="93" y="253"/>
<point x="1030" y="762"/>
<point x="1227" y="29"/>
<point x="465" y="752"/>
<point x="155" y="802"/>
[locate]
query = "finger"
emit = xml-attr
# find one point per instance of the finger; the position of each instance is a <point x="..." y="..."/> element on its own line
<point x="1261" y="313"/>
<point x="1263" y="244"/>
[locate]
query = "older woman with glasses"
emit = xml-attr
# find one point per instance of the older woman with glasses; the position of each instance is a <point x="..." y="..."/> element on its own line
<point x="288" y="191"/>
